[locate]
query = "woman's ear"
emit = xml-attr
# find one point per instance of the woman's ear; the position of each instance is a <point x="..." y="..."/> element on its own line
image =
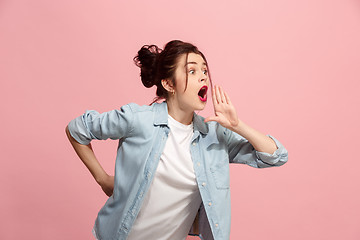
<point x="167" y="84"/>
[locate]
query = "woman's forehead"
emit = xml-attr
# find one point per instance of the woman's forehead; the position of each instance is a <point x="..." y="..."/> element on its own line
<point x="192" y="58"/>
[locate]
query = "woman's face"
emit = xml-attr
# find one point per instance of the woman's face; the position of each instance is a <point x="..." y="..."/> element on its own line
<point x="195" y="95"/>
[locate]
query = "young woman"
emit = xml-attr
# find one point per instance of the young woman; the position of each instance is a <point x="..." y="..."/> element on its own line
<point x="172" y="167"/>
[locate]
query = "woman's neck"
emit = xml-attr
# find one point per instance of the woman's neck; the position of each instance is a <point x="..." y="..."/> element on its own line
<point x="184" y="117"/>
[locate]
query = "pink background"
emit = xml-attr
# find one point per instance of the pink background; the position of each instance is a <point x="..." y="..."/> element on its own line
<point x="290" y="67"/>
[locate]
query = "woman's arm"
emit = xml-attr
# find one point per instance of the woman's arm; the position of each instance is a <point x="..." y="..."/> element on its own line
<point x="92" y="125"/>
<point x="246" y="145"/>
<point x="87" y="156"/>
<point x="226" y="116"/>
<point x="260" y="142"/>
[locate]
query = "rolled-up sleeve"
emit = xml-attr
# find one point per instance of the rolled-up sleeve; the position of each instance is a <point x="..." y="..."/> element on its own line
<point x="91" y="125"/>
<point x="278" y="158"/>
<point x="241" y="151"/>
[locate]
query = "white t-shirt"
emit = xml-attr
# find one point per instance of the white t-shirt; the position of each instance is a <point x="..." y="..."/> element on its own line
<point x="171" y="204"/>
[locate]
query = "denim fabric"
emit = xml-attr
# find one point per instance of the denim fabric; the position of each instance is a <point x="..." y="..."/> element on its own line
<point x="142" y="132"/>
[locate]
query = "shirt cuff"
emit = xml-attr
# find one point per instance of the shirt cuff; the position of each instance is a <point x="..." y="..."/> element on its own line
<point x="279" y="156"/>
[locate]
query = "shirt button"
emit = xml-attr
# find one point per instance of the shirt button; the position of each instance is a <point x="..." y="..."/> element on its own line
<point x="216" y="225"/>
<point x="203" y="184"/>
<point x="210" y="203"/>
<point x="194" y="144"/>
<point x="198" y="164"/>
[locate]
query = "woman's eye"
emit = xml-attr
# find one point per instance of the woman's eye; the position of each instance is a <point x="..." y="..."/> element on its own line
<point x="205" y="71"/>
<point x="191" y="71"/>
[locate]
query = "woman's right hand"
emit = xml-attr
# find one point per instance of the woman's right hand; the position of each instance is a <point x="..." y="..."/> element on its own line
<point x="107" y="184"/>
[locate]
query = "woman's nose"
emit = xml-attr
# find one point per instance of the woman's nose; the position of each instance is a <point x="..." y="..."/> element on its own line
<point x="203" y="77"/>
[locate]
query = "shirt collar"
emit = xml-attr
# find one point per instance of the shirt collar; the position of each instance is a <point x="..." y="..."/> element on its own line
<point x="200" y="125"/>
<point x="161" y="118"/>
<point x="161" y="113"/>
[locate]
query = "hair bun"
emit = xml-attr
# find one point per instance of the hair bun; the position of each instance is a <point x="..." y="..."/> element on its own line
<point x="146" y="61"/>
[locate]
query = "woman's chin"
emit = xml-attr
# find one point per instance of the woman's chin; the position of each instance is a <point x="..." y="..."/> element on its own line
<point x="201" y="106"/>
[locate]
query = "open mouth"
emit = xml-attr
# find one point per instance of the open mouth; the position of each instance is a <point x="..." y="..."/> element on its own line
<point x="202" y="93"/>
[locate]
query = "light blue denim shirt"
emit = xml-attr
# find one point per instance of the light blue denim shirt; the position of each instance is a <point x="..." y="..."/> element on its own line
<point x="142" y="132"/>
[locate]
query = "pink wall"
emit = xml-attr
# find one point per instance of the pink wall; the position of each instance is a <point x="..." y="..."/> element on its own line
<point x="291" y="68"/>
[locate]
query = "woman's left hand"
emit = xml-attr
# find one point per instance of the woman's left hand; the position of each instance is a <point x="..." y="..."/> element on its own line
<point x="225" y="113"/>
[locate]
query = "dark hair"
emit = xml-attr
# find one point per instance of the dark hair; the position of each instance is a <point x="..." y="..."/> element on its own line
<point x="157" y="64"/>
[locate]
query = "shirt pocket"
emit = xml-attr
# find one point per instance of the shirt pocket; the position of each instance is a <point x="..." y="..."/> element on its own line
<point x="220" y="173"/>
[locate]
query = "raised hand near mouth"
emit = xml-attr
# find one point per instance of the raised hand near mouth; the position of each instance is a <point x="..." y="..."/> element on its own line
<point x="225" y="113"/>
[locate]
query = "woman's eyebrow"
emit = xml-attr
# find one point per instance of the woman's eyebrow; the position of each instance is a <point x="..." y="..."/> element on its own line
<point x="194" y="63"/>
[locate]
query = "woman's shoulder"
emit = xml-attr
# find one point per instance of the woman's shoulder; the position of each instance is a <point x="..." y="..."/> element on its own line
<point x="145" y="117"/>
<point x="155" y="113"/>
<point x="143" y="108"/>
